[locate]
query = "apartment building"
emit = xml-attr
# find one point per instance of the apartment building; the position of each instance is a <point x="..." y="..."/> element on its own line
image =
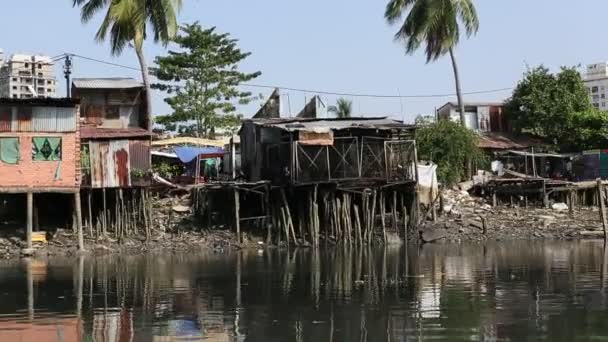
<point x="596" y="81"/>
<point x="27" y="76"/>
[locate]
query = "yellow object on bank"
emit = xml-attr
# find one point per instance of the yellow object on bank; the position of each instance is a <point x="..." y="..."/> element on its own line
<point x="39" y="237"/>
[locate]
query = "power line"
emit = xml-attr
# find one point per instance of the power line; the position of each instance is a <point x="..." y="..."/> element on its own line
<point x="373" y="95"/>
<point x="105" y="62"/>
<point x="315" y="91"/>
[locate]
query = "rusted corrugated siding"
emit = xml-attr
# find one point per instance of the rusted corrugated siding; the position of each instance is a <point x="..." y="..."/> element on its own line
<point x="66" y="119"/>
<point x="119" y="158"/>
<point x="139" y="153"/>
<point x="98" y="151"/>
<point x="44" y="119"/>
<point x="6" y="116"/>
<point x="24" y="119"/>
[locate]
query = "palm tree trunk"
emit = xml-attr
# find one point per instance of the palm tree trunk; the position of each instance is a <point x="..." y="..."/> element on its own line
<point x="145" y="77"/>
<point x="458" y="91"/>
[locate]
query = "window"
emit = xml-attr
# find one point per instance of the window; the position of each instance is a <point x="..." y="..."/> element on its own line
<point x="603" y="104"/>
<point x="112" y="112"/>
<point x="9" y="150"/>
<point x="49" y="90"/>
<point x="596" y="105"/>
<point x="41" y="75"/>
<point x="603" y="96"/>
<point x="594" y="89"/>
<point x="15" y="96"/>
<point x="39" y="66"/>
<point x="27" y="65"/>
<point x="14" y="87"/>
<point x="14" y="79"/>
<point x="46" y="148"/>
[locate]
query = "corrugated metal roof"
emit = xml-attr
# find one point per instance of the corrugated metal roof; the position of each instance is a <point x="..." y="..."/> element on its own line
<point x="107" y="83"/>
<point x="87" y="132"/>
<point x="191" y="141"/>
<point x="326" y="125"/>
<point x="504" y="141"/>
<point x="41" y="101"/>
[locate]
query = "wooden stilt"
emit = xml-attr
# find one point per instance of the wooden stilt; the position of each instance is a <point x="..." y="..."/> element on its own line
<point x="30" y="214"/>
<point x="383" y="216"/>
<point x="89" y="207"/>
<point x="78" y="210"/>
<point x="237" y="218"/>
<point x="105" y="213"/>
<point x="601" y="199"/>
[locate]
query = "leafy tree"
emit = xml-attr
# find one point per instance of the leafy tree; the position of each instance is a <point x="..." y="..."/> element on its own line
<point x="557" y="108"/>
<point x="202" y="78"/>
<point x="127" y="22"/>
<point x="343" y="108"/>
<point x="449" y="145"/>
<point x="436" y="24"/>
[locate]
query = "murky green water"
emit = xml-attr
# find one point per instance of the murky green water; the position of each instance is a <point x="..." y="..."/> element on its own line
<point x="522" y="291"/>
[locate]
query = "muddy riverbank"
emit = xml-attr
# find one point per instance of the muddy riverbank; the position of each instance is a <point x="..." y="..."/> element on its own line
<point x="463" y="218"/>
<point x="468" y="218"/>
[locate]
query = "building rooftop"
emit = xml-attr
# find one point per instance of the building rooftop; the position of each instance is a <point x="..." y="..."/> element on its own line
<point x="476" y="104"/>
<point x="87" y="132"/>
<point x="505" y="141"/>
<point x="107" y="83"/>
<point x="41" y="101"/>
<point x="331" y="124"/>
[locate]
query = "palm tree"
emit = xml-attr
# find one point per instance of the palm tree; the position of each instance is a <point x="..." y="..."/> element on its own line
<point x="127" y="22"/>
<point x="342" y="109"/>
<point x="435" y="23"/>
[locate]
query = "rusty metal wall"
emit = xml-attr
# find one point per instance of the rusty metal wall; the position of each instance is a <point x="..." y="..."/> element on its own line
<point x="37" y="119"/>
<point x="110" y="164"/>
<point x="119" y="150"/>
<point x="23" y="122"/>
<point x="66" y="119"/>
<point x="44" y="119"/>
<point x="6" y="116"/>
<point x="139" y="153"/>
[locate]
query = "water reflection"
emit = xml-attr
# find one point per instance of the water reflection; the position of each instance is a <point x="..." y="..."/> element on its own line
<point x="508" y="291"/>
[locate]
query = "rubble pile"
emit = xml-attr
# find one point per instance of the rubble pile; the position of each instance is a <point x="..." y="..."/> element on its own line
<point x="466" y="218"/>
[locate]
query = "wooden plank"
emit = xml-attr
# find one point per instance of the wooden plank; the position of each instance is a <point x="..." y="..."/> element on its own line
<point x="30" y="218"/>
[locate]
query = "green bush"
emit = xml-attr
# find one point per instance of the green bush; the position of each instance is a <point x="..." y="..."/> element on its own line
<point x="450" y="146"/>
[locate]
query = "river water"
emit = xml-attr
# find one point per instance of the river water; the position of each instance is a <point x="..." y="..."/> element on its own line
<point x="507" y="291"/>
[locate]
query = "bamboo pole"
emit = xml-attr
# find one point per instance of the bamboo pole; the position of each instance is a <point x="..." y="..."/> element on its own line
<point x="89" y="201"/>
<point x="78" y="209"/>
<point x="601" y="199"/>
<point x="30" y="223"/>
<point x="237" y="219"/>
<point x="383" y="216"/>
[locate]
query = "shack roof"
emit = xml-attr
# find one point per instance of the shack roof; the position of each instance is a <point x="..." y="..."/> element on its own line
<point x="40" y="101"/>
<point x="191" y="141"/>
<point x="505" y="141"/>
<point x="332" y="124"/>
<point x="88" y="132"/>
<point x="107" y="83"/>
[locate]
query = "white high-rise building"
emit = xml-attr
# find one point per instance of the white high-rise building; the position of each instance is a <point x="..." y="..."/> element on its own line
<point x="596" y="80"/>
<point x="27" y="76"/>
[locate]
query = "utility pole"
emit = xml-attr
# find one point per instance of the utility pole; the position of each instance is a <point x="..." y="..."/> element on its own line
<point x="67" y="71"/>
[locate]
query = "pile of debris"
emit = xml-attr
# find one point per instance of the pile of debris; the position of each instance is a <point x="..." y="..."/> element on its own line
<point x="467" y="218"/>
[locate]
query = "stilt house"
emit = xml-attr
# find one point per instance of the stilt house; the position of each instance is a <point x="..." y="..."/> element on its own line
<point x="298" y="151"/>
<point x="115" y="132"/>
<point x="39" y="157"/>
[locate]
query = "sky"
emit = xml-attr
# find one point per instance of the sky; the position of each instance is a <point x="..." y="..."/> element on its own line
<point x="337" y="46"/>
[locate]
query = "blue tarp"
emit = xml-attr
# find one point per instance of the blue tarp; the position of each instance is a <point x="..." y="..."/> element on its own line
<point x="188" y="154"/>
